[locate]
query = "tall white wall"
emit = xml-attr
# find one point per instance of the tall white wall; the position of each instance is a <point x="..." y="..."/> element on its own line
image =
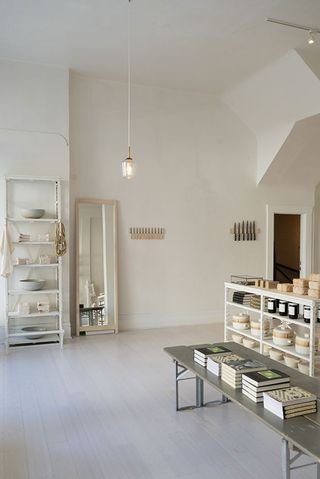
<point x="196" y="176"/>
<point x="34" y="97"/>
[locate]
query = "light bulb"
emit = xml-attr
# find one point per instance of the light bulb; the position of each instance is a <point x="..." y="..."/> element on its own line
<point x="310" y="38"/>
<point x="128" y="168"/>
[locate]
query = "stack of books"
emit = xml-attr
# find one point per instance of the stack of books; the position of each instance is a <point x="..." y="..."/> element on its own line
<point x="231" y="372"/>
<point x="290" y="402"/>
<point x="201" y="354"/>
<point x="241" y="297"/>
<point x="254" y="384"/>
<point x="214" y="362"/>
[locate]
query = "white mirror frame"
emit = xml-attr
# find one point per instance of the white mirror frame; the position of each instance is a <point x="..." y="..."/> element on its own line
<point x="114" y="327"/>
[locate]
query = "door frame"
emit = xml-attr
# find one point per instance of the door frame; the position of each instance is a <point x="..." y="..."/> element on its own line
<point x="306" y="236"/>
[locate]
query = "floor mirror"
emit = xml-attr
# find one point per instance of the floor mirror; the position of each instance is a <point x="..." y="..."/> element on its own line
<point x="96" y="266"/>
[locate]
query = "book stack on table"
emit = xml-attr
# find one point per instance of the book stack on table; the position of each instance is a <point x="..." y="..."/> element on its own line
<point x="290" y="402"/>
<point x="214" y="362"/>
<point x="201" y="354"/>
<point x="231" y="372"/>
<point x="254" y="384"/>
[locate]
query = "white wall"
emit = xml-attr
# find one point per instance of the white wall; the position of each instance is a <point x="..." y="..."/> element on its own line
<point x="196" y="176"/>
<point x="35" y="97"/>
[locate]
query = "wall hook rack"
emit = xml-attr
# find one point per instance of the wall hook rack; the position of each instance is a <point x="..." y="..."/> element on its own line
<point x="142" y="233"/>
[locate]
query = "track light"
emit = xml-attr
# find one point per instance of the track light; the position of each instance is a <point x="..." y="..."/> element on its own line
<point x="311" y="31"/>
<point x="310" y="38"/>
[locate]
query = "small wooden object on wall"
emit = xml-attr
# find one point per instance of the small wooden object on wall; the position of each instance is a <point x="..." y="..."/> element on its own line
<point x="245" y="231"/>
<point x="147" y="233"/>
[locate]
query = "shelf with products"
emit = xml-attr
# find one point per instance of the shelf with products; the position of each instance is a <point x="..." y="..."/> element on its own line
<point x="33" y="209"/>
<point x="260" y="297"/>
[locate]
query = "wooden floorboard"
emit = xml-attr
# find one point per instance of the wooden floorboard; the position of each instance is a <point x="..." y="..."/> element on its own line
<point x="104" y="408"/>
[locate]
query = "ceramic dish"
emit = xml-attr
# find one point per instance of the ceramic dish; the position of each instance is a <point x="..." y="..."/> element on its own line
<point x="37" y="330"/>
<point x="32" y="284"/>
<point x="291" y="362"/>
<point x="32" y="213"/>
<point x="303" y="368"/>
<point x="276" y="355"/>
<point x="237" y="338"/>
<point x="249" y="343"/>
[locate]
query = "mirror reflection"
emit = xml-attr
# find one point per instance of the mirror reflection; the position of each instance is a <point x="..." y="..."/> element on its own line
<point x="96" y="266"/>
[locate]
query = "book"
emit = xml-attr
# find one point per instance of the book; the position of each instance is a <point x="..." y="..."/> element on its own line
<point x="301" y="413"/>
<point x="295" y="407"/>
<point x="211" y="350"/>
<point x="214" y="362"/>
<point x="241" y="366"/>
<point x="266" y="377"/>
<point x="278" y="401"/>
<point x="262" y="389"/>
<point x="253" y="398"/>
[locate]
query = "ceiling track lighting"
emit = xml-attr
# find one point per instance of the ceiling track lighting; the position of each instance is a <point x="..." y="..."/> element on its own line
<point x="311" y="30"/>
<point x="128" y="164"/>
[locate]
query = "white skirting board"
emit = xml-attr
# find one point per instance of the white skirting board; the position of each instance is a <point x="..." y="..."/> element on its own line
<point x="157" y="320"/>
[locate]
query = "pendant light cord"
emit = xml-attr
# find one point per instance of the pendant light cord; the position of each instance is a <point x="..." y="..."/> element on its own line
<point x="129" y="82"/>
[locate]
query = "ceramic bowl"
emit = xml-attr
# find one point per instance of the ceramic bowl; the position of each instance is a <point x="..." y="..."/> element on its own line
<point x="303" y="367"/>
<point x="237" y="338"/>
<point x="276" y="355"/>
<point x="32" y="213"/>
<point x="32" y="284"/>
<point x="291" y="362"/>
<point x="37" y="330"/>
<point x="249" y="343"/>
<point x="302" y="349"/>
<point x="282" y="341"/>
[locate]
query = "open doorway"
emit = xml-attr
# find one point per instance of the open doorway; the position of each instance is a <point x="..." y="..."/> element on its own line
<point x="305" y="234"/>
<point x="286" y="254"/>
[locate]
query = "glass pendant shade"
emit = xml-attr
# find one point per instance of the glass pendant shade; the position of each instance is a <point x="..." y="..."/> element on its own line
<point x="128" y="168"/>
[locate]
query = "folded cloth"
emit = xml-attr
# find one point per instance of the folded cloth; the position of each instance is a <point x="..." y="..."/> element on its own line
<point x="6" y="249"/>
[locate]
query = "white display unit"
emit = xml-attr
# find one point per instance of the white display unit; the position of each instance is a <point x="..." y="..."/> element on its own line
<point x="44" y="193"/>
<point x="312" y="328"/>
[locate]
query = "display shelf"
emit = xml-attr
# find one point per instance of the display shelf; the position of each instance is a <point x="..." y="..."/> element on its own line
<point x="13" y="315"/>
<point x="312" y="327"/>
<point x="298" y="322"/>
<point x="36" y="265"/>
<point x="14" y="292"/>
<point x="32" y="220"/>
<point x="44" y="192"/>
<point x="32" y="243"/>
<point x="243" y="306"/>
<point x="286" y="349"/>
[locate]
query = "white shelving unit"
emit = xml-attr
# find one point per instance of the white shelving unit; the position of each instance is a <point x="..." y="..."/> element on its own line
<point x="312" y="328"/>
<point x="33" y="192"/>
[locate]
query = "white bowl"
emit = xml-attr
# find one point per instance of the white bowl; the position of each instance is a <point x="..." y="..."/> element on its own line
<point x="32" y="284"/>
<point x="282" y="341"/>
<point x="303" y="368"/>
<point x="38" y="330"/>
<point x="240" y="326"/>
<point x="302" y="349"/>
<point x="237" y="338"/>
<point x="249" y="343"/>
<point x="291" y="362"/>
<point x="32" y="213"/>
<point x="276" y="355"/>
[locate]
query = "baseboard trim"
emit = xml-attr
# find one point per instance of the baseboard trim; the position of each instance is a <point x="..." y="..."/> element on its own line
<point x="129" y="322"/>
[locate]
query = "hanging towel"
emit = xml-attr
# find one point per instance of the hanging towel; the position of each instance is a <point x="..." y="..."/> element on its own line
<point x="6" y="249"/>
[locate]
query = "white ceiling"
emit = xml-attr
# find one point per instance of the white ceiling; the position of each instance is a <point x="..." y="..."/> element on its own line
<point x="205" y="45"/>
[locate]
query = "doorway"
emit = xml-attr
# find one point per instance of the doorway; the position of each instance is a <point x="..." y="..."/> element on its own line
<point x="306" y="243"/>
<point x="286" y="252"/>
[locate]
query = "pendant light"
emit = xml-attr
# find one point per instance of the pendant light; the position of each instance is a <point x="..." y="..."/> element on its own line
<point x="128" y="164"/>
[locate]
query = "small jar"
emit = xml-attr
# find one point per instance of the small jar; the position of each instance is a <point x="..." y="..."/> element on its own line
<point x="283" y="308"/>
<point x="307" y="314"/>
<point x="303" y="344"/>
<point x="241" y="321"/>
<point x="293" y="310"/>
<point x="283" y="335"/>
<point x="272" y="305"/>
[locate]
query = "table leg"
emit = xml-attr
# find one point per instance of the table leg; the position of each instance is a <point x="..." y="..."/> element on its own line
<point x="285" y="459"/>
<point x="199" y="392"/>
<point x="318" y="470"/>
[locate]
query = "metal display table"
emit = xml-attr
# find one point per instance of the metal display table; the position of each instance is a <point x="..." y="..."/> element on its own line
<point x="300" y="434"/>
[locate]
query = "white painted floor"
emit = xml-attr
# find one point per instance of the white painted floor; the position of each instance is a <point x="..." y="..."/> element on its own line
<point x="104" y="408"/>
